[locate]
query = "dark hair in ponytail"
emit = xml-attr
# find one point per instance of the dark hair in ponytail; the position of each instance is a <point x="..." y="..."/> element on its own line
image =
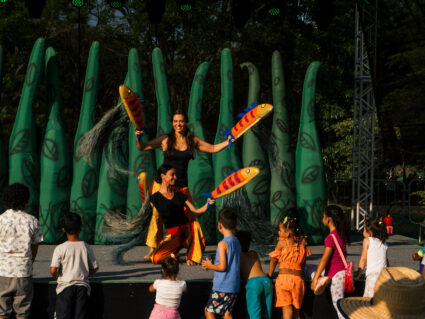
<point x="337" y="215"/>
<point x="293" y="226"/>
<point x="377" y="228"/>
<point x="171" y="140"/>
<point x="163" y="169"/>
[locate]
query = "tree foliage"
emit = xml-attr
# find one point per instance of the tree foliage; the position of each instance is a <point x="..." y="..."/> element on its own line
<point x="187" y="39"/>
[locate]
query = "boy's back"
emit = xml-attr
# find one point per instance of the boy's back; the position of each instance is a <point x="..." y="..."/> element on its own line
<point x="229" y="280"/>
<point x="226" y="281"/>
<point x="258" y="287"/>
<point x="74" y="259"/>
<point x="250" y="265"/>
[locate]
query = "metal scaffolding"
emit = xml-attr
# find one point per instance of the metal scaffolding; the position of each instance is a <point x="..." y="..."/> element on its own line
<point x="364" y="111"/>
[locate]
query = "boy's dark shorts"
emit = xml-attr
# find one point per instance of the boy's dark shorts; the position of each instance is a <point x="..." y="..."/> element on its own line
<point x="16" y="293"/>
<point x="221" y="302"/>
<point x="72" y="302"/>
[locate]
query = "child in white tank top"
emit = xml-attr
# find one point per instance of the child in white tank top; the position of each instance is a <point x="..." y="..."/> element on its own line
<point x="374" y="253"/>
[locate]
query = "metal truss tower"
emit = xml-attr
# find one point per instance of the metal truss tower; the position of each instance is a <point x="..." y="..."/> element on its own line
<point x="364" y="111"/>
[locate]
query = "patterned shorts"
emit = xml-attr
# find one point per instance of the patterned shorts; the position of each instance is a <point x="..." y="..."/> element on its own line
<point x="221" y="302"/>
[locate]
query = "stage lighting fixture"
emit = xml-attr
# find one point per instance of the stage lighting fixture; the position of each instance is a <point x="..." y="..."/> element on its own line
<point x="3" y="1"/>
<point x="241" y="10"/>
<point x="116" y="4"/>
<point x="35" y="7"/>
<point x="185" y="5"/>
<point x="274" y="7"/>
<point x="155" y="9"/>
<point x="78" y="3"/>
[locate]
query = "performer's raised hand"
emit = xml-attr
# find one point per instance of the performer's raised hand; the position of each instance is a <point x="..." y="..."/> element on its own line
<point x="210" y="202"/>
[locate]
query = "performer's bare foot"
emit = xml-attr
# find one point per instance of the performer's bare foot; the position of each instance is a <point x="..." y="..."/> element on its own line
<point x="149" y="254"/>
<point x="191" y="263"/>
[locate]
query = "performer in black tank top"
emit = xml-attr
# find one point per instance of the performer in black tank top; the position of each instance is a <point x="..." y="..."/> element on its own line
<point x="180" y="161"/>
<point x="179" y="146"/>
<point x="180" y="231"/>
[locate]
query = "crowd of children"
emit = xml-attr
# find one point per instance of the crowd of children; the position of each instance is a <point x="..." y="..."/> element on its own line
<point x="74" y="261"/>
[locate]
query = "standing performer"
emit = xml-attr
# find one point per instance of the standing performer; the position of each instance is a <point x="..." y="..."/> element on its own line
<point x="181" y="232"/>
<point x="179" y="148"/>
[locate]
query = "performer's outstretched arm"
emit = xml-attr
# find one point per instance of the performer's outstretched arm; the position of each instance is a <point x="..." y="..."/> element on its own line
<point x="210" y="148"/>
<point x="157" y="142"/>
<point x="199" y="211"/>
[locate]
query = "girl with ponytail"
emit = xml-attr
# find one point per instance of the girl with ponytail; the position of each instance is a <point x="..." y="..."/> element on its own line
<point x="291" y="252"/>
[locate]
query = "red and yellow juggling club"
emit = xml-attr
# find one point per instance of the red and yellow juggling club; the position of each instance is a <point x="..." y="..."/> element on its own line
<point x="133" y="106"/>
<point x="252" y="115"/>
<point x="143" y="182"/>
<point x="233" y="182"/>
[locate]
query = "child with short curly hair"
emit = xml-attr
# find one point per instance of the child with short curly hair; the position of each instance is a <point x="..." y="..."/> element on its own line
<point x="291" y="252"/>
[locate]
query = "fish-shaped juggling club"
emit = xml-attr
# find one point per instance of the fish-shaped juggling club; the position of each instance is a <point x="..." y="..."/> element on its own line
<point x="233" y="182"/>
<point x="133" y="106"/>
<point x="143" y="182"/>
<point x="252" y="115"/>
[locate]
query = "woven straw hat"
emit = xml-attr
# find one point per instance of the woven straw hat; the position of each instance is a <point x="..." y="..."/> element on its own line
<point x="399" y="294"/>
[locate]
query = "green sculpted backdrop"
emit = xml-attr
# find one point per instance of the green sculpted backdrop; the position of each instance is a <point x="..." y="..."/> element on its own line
<point x="85" y="177"/>
<point x="163" y="100"/>
<point x="99" y="185"/>
<point x="112" y="192"/>
<point x="137" y="161"/>
<point x="309" y="176"/>
<point x="227" y="160"/>
<point x="258" y="190"/>
<point x="282" y="166"/>
<point x="55" y="159"/>
<point x="200" y="171"/>
<point x="23" y="149"/>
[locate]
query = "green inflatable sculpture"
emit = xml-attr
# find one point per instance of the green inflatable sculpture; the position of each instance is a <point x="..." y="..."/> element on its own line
<point x="309" y="172"/>
<point x="85" y="177"/>
<point x="227" y="160"/>
<point x="23" y="151"/>
<point x="112" y="192"/>
<point x="138" y="161"/>
<point x="200" y="172"/>
<point x="258" y="190"/>
<point x="163" y="100"/>
<point x="282" y="167"/>
<point x="55" y="160"/>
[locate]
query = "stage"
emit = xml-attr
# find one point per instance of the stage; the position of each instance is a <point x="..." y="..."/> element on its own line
<point x="121" y="290"/>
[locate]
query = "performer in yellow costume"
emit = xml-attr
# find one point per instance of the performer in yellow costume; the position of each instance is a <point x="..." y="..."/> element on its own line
<point x="179" y="148"/>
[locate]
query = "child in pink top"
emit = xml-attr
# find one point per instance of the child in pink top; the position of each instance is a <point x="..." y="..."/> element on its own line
<point x="331" y="261"/>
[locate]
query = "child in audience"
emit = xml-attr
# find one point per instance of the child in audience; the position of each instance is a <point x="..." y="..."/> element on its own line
<point x="169" y="291"/>
<point x="20" y="234"/>
<point x="331" y="261"/>
<point x="72" y="264"/>
<point x="258" y="288"/>
<point x="374" y="253"/>
<point x="291" y="252"/>
<point x="226" y="269"/>
<point x="418" y="256"/>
